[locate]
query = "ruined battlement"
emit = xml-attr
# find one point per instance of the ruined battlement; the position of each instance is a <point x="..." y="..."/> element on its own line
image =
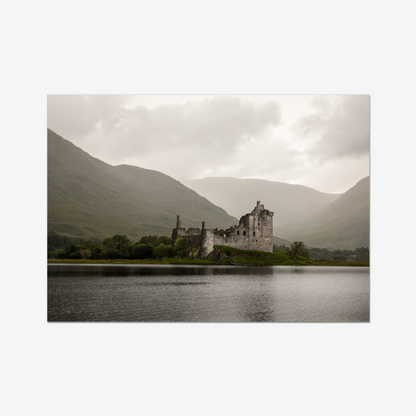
<point x="254" y="232"/>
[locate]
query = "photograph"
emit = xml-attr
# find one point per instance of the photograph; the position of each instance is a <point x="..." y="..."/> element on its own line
<point x="208" y="208"/>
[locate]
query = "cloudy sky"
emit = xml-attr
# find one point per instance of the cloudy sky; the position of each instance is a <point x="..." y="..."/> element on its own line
<point x="321" y="141"/>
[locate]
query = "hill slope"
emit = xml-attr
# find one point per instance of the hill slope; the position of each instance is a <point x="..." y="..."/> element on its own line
<point x="290" y="203"/>
<point x="87" y="197"/>
<point x="344" y="224"/>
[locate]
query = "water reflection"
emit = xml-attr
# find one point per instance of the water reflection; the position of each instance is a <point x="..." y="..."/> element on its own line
<point x="297" y="270"/>
<point x="102" y="270"/>
<point x="173" y="283"/>
<point x="113" y="293"/>
<point x="258" y="307"/>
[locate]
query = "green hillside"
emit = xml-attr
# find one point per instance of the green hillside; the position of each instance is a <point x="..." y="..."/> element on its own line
<point x="290" y="203"/>
<point x="344" y="224"/>
<point x="87" y="197"/>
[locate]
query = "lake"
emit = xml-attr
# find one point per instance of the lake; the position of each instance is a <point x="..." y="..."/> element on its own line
<point x="159" y="293"/>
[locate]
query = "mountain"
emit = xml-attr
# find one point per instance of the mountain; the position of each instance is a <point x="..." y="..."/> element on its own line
<point x="280" y="241"/>
<point x="90" y="198"/>
<point x="343" y="224"/>
<point x="290" y="203"/>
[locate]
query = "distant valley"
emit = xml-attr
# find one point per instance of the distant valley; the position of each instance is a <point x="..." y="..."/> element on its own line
<point x="290" y="203"/>
<point x="90" y="198"/>
<point x="337" y="221"/>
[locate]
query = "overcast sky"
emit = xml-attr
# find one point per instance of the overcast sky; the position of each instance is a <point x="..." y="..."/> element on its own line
<point x="321" y="141"/>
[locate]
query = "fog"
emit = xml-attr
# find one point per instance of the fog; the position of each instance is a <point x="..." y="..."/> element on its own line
<point x="321" y="141"/>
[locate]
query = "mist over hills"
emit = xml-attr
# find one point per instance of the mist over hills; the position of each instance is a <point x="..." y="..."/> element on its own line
<point x="88" y="197"/>
<point x="290" y="203"/>
<point x="337" y="221"/>
<point x="343" y="224"/>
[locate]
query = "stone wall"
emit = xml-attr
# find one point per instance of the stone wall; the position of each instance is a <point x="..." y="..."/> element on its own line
<point x="254" y="232"/>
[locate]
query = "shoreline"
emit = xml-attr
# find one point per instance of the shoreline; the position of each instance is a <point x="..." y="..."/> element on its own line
<point x="200" y="262"/>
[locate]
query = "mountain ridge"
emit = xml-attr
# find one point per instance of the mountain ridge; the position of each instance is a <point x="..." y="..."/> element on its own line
<point x="343" y="224"/>
<point x="88" y="197"/>
<point x="290" y="203"/>
<point x="337" y="221"/>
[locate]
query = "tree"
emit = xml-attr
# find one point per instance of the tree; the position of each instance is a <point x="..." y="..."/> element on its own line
<point x="142" y="251"/>
<point x="85" y="253"/>
<point x="117" y="242"/>
<point x="297" y="249"/>
<point x="110" y="253"/>
<point x="162" y="251"/>
<point x="165" y="240"/>
<point x="61" y="254"/>
<point x="282" y="249"/>
<point x="75" y="255"/>
<point x="362" y="253"/>
<point x="70" y="250"/>
<point x="180" y="248"/>
<point x="94" y="249"/>
<point x="54" y="241"/>
<point x="155" y="240"/>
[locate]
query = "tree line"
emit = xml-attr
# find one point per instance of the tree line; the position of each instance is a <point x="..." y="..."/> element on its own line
<point x="116" y="247"/>
<point x="157" y="247"/>
<point x="298" y="248"/>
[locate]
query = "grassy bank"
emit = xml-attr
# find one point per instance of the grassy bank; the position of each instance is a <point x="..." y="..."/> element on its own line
<point x="260" y="258"/>
<point x="225" y="256"/>
<point x="146" y="261"/>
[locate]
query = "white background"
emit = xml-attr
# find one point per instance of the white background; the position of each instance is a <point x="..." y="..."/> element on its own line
<point x="199" y="47"/>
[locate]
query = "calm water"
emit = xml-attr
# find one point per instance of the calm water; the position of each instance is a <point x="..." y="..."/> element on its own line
<point x="138" y="293"/>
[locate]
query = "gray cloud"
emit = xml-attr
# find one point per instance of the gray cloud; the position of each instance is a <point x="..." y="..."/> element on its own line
<point x="209" y="125"/>
<point x="239" y="136"/>
<point x="193" y="136"/>
<point x="76" y="116"/>
<point x="341" y="132"/>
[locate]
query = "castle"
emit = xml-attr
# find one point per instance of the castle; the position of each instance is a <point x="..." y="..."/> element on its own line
<point x="254" y="232"/>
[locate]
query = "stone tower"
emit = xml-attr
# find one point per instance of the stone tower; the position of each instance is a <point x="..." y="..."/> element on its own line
<point x="254" y="232"/>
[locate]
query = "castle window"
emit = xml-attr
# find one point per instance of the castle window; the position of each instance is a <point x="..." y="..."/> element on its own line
<point x="244" y="233"/>
<point x="259" y="224"/>
<point x="238" y="232"/>
<point x="254" y="233"/>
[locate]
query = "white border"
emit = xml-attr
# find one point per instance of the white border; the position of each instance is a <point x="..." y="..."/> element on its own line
<point x="187" y="47"/>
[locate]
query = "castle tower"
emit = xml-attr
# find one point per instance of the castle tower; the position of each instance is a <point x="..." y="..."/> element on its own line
<point x="178" y="231"/>
<point x="254" y="232"/>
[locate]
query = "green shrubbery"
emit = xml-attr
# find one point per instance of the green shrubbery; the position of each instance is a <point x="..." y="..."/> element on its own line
<point x="359" y="254"/>
<point x="120" y="247"/>
<point x="229" y="251"/>
<point x="260" y="258"/>
<point x="116" y="247"/>
<point x="57" y="242"/>
<point x="163" y="251"/>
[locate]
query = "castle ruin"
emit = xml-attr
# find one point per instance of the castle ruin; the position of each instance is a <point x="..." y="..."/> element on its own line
<point x="254" y="232"/>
